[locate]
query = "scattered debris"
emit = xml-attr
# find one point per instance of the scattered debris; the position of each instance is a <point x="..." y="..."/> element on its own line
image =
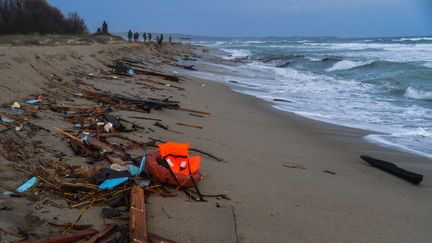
<point x="297" y="166"/>
<point x="329" y="172"/>
<point x="189" y="125"/>
<point x="29" y="184"/>
<point x="65" y="237"/>
<point x="137" y="224"/>
<point x="393" y="169"/>
<point x="111" y="183"/>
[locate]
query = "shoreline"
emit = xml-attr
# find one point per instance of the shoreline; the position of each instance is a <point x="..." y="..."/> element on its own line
<point x="286" y="178"/>
<point x="289" y="155"/>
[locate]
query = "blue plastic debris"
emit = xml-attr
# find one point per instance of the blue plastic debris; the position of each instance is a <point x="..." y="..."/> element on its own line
<point x="17" y="111"/>
<point x="111" y="183"/>
<point x="134" y="170"/>
<point x="5" y="119"/>
<point x="142" y="166"/>
<point x="130" y="71"/>
<point x="29" y="184"/>
<point x="77" y="125"/>
<point x="32" y="101"/>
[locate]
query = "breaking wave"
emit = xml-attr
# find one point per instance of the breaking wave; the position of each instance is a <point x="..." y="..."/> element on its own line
<point x="347" y="65"/>
<point x="418" y="94"/>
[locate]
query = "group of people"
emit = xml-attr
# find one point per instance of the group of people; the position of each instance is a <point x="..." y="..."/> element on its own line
<point x="147" y="37"/>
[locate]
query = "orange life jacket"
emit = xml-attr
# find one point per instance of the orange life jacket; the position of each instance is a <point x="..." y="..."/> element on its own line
<point x="177" y="156"/>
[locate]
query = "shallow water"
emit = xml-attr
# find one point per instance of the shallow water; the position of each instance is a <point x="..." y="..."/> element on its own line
<point x="381" y="84"/>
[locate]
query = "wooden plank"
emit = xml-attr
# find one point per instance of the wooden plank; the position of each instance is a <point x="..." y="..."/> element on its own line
<point x="189" y="125"/>
<point x="137" y="224"/>
<point x="195" y="111"/>
<point x="64" y="237"/>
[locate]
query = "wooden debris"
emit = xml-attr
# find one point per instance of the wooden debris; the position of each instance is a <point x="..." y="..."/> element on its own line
<point x="393" y="169"/>
<point x="196" y="115"/>
<point x="189" y="125"/>
<point x="64" y="237"/>
<point x="161" y="125"/>
<point x="195" y="111"/>
<point x="137" y="224"/>
<point x="102" y="234"/>
<point x="145" y="118"/>
<point x="329" y="172"/>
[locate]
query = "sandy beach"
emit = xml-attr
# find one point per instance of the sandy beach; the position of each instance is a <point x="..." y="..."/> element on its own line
<point x="288" y="178"/>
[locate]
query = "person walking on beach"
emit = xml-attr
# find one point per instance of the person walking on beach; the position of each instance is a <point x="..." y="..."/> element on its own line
<point x="136" y="37"/>
<point x="170" y="39"/>
<point x="130" y="35"/>
<point x="160" y="39"/>
<point x="150" y="36"/>
<point x="145" y="36"/>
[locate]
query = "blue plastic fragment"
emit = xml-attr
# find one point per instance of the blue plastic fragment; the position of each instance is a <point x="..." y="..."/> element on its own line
<point x="32" y="101"/>
<point x="142" y="166"/>
<point x="134" y="170"/>
<point x="17" y="111"/>
<point x="5" y="119"/>
<point x="29" y="184"/>
<point x="130" y="71"/>
<point x="111" y="183"/>
<point x="77" y="125"/>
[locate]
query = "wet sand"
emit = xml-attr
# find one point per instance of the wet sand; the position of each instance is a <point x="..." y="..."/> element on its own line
<point x="289" y="179"/>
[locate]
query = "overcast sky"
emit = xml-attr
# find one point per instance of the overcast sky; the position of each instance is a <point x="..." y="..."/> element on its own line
<point x="343" y="18"/>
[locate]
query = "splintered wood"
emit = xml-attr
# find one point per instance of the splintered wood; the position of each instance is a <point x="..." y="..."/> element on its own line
<point x="137" y="224"/>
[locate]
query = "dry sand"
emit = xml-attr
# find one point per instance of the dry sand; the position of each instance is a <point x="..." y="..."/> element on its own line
<point x="273" y="168"/>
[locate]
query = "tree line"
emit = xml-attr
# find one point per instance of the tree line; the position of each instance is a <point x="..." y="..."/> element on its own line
<point x="37" y="16"/>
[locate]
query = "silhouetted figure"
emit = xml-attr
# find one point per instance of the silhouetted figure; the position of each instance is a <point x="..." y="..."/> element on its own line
<point x="136" y="37"/>
<point x="130" y="35"/>
<point x="150" y="36"/>
<point x="105" y="28"/>
<point x="157" y="39"/>
<point x="170" y="39"/>
<point x="145" y="36"/>
<point x="160" y="40"/>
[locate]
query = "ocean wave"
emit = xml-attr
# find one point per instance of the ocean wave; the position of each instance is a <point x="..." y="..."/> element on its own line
<point x="347" y="65"/>
<point x="415" y="39"/>
<point x="236" y="54"/>
<point x="418" y="94"/>
<point x="417" y="133"/>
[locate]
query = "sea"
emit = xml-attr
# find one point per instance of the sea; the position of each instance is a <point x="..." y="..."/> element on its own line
<point x="383" y="85"/>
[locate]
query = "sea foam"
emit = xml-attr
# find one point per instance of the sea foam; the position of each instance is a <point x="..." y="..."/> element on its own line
<point x="418" y="94"/>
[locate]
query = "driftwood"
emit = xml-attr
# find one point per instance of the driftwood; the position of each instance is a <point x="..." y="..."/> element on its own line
<point x="65" y="237"/>
<point x="146" y="105"/>
<point x="145" y="118"/>
<point x="157" y="74"/>
<point x="393" y="169"/>
<point x="189" y="125"/>
<point x="196" y="115"/>
<point x="101" y="234"/>
<point x="195" y="111"/>
<point x="137" y="224"/>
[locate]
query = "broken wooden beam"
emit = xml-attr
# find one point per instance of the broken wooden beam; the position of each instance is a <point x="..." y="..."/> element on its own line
<point x="137" y="224"/>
